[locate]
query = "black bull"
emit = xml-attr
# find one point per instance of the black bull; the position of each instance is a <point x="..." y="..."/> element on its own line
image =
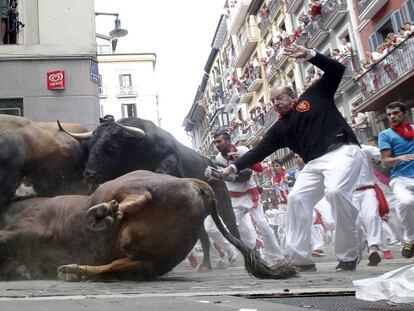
<point x="116" y="148"/>
<point x="138" y="226"/>
<point x="42" y="154"/>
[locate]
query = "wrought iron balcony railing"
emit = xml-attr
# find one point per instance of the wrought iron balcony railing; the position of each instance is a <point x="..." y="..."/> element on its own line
<point x="388" y="70"/>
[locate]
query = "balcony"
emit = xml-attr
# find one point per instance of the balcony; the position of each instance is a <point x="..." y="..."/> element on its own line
<point x="245" y="96"/>
<point x="352" y="66"/>
<point x="275" y="63"/>
<point x="369" y="8"/>
<point x="103" y="91"/>
<point x="237" y="133"/>
<point x="332" y="13"/>
<point x="389" y="79"/>
<point x="256" y="80"/>
<point x="246" y="45"/>
<point x="237" y="16"/>
<point x="264" y="25"/>
<point x="127" y="91"/>
<point x="292" y="6"/>
<point x="274" y="6"/>
<point x="317" y="34"/>
<point x="231" y="98"/>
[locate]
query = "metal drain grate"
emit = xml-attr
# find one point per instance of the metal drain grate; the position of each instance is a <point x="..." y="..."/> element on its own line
<point x="339" y="303"/>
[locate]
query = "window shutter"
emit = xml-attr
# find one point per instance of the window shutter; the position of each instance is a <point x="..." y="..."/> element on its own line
<point x="396" y="20"/>
<point x="373" y="42"/>
<point x="408" y="9"/>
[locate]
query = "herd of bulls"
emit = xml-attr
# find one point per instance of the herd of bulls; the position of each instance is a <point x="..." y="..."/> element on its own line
<point x="141" y="221"/>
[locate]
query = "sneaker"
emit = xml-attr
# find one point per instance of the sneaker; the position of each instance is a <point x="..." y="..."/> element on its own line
<point x="346" y="265"/>
<point x="318" y="253"/>
<point x="193" y="261"/>
<point x="305" y="268"/>
<point x="388" y="254"/>
<point x="407" y="250"/>
<point x="374" y="258"/>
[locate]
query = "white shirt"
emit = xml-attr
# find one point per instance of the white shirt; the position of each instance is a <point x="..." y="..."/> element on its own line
<point x="366" y="176"/>
<point x="237" y="186"/>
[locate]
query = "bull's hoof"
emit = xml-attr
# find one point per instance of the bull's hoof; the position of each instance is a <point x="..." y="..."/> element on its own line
<point x="70" y="273"/>
<point x="101" y="216"/>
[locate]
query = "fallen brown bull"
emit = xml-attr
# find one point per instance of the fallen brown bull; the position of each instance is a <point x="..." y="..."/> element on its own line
<point x="138" y="226"/>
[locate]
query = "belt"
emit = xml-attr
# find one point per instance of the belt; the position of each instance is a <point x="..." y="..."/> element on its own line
<point x="334" y="146"/>
<point x="362" y="188"/>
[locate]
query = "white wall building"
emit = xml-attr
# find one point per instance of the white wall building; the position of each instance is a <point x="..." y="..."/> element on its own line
<point x="127" y="86"/>
<point x="58" y="36"/>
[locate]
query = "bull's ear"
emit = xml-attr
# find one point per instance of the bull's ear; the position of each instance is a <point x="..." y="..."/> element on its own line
<point x="134" y="202"/>
<point x="130" y="131"/>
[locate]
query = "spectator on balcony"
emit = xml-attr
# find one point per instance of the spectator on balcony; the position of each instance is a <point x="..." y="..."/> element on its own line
<point x="359" y="120"/>
<point x="394" y="40"/>
<point x="315" y="9"/>
<point x="397" y="152"/>
<point x="4" y="14"/>
<point x="336" y="54"/>
<point x="345" y="50"/>
<point x="408" y="29"/>
<point x="382" y="51"/>
<point x="312" y="126"/>
<point x="282" y="33"/>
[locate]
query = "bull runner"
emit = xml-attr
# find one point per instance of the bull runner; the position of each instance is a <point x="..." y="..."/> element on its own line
<point x="312" y="126"/>
<point x="245" y="200"/>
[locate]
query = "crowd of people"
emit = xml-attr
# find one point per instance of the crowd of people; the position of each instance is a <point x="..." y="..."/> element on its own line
<point x="339" y="191"/>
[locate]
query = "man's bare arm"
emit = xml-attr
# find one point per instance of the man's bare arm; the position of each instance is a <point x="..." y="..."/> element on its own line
<point x="389" y="161"/>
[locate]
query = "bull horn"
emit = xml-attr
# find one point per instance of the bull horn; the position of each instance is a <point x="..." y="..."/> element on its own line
<point x="132" y="131"/>
<point x="77" y="136"/>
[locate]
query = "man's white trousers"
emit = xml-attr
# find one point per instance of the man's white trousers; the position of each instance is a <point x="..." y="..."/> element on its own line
<point x="403" y="189"/>
<point x="333" y="175"/>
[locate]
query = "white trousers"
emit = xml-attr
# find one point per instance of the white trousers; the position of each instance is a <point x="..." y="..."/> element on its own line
<point x="325" y="210"/>
<point x="316" y="239"/>
<point x="368" y="216"/>
<point x="333" y="175"/>
<point x="403" y="189"/>
<point x="241" y="206"/>
<point x="216" y="236"/>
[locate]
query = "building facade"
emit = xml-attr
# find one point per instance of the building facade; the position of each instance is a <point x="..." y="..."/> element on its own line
<point x="127" y="86"/>
<point x="250" y="61"/>
<point x="48" y="70"/>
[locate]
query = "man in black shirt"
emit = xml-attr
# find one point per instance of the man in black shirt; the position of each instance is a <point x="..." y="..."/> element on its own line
<point x="313" y="127"/>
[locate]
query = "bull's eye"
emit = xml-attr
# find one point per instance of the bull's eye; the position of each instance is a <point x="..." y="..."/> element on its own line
<point x="110" y="148"/>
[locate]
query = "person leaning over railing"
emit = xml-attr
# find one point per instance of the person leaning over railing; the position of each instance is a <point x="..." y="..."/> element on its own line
<point x="4" y="14"/>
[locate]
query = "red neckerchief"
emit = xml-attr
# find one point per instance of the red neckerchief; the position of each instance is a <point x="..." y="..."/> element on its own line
<point x="405" y="130"/>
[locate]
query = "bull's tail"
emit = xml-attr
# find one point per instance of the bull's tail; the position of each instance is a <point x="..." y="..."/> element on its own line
<point x="254" y="265"/>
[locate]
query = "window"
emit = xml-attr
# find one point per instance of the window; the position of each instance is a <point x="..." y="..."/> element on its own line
<point x="392" y="24"/>
<point x="10" y="25"/>
<point x="12" y="106"/>
<point x="125" y="80"/>
<point x="104" y="49"/>
<point x="129" y="110"/>
<point x="100" y="86"/>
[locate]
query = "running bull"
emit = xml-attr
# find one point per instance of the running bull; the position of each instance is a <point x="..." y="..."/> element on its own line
<point x="138" y="226"/>
<point x="39" y="153"/>
<point x="116" y="148"/>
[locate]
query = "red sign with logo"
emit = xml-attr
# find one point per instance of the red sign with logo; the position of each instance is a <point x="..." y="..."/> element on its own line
<point x="56" y="80"/>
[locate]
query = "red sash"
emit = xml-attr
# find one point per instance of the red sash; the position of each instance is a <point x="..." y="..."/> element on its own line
<point x="254" y="196"/>
<point x="383" y="207"/>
